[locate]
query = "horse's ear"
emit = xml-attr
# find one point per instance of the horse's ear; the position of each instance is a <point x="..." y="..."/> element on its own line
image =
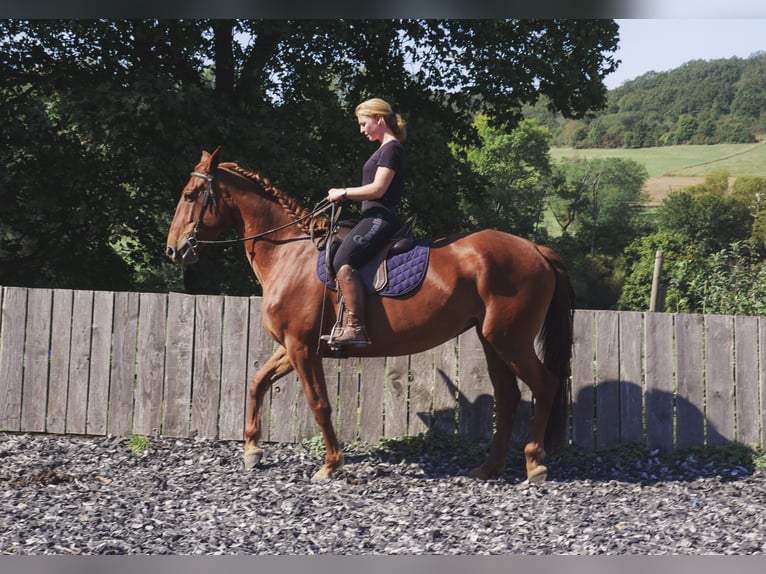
<point x="214" y="158"/>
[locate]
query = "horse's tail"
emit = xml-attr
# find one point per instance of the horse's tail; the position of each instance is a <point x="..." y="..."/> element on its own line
<point x="556" y="338"/>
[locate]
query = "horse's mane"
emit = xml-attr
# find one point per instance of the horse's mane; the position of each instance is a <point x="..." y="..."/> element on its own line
<point x="316" y="225"/>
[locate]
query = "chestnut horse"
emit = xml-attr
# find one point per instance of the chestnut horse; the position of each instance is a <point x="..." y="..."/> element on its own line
<point x="507" y="288"/>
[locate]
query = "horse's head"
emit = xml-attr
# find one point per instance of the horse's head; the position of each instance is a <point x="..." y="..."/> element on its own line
<point x="198" y="213"/>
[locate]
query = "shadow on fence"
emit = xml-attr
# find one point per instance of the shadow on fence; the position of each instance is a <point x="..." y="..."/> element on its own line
<point x="664" y="421"/>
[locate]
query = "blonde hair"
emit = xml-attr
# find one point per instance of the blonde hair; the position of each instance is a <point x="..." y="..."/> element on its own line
<point x="378" y="107"/>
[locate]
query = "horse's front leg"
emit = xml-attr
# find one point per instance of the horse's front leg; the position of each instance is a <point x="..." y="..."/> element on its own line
<point x="309" y="367"/>
<point x="275" y="368"/>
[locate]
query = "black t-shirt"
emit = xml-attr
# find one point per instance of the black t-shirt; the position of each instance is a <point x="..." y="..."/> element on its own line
<point x="391" y="155"/>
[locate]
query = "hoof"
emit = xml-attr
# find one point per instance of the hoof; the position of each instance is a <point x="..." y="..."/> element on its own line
<point x="253" y="458"/>
<point x="484" y="473"/>
<point x="322" y="474"/>
<point x="326" y="472"/>
<point x="537" y="475"/>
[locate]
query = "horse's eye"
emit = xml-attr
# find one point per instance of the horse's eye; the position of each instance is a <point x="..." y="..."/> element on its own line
<point x="189" y="195"/>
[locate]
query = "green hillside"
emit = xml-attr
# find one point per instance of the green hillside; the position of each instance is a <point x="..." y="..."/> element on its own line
<point x="702" y="102"/>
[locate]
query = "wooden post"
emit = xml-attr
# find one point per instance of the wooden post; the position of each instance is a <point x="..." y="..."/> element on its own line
<point x="657" y="302"/>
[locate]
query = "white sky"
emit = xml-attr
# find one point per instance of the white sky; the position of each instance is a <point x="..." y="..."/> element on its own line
<point x="663" y="44"/>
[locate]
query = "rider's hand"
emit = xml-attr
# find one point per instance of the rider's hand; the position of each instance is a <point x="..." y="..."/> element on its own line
<point x="336" y="195"/>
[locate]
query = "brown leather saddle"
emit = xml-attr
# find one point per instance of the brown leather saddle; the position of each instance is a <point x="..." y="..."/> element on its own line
<point x="401" y="241"/>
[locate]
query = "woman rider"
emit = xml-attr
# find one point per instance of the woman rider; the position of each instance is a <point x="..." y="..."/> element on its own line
<point x="380" y="193"/>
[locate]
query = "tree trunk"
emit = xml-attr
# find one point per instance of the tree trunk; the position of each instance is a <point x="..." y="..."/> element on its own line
<point x="223" y="31"/>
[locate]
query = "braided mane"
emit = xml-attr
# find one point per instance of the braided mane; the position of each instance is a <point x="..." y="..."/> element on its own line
<point x="319" y="224"/>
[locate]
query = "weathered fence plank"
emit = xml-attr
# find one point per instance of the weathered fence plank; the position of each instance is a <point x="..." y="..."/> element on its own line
<point x="607" y="379"/>
<point x="35" y="385"/>
<point x="631" y="353"/>
<point x="79" y="362"/>
<point x="151" y="363"/>
<point x="719" y="396"/>
<point x="12" y="330"/>
<point x="305" y="423"/>
<point x="233" y="368"/>
<point x="421" y="392"/>
<point x="445" y="388"/>
<point x="100" y="355"/>
<point x="122" y="378"/>
<point x="206" y="389"/>
<point x="61" y="337"/>
<point x="746" y="376"/>
<point x="475" y="398"/>
<point x="371" y="399"/>
<point x="179" y="360"/>
<point x="285" y="393"/>
<point x="397" y="381"/>
<point x="762" y="376"/>
<point x="583" y="389"/>
<point x="690" y="380"/>
<point x="659" y="381"/>
<point x="346" y="377"/>
<point x="260" y="347"/>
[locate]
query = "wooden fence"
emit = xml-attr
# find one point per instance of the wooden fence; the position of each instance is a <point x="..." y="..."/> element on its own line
<point x="99" y="363"/>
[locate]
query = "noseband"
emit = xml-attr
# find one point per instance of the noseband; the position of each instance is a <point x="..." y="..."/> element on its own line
<point x="207" y="199"/>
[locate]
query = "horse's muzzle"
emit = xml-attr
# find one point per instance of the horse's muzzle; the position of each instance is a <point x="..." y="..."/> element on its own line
<point x="186" y="254"/>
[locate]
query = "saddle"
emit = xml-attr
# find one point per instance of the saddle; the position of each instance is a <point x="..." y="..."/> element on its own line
<point x="401" y="241"/>
<point x="399" y="254"/>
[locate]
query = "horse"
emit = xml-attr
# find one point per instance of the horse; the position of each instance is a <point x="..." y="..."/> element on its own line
<point x="513" y="292"/>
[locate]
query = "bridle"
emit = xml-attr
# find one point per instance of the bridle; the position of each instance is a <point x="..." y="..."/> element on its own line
<point x="209" y="198"/>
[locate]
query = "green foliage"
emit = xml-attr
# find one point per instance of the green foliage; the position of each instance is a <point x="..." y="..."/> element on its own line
<point x="701" y="102"/>
<point x="103" y="120"/>
<point x="729" y="282"/>
<point x="314" y="445"/>
<point x="637" y="264"/>
<point x="600" y="202"/>
<point x="713" y="259"/>
<point x="517" y="169"/>
<point x="598" y="206"/>
<point x="138" y="444"/>
<point x="706" y="216"/>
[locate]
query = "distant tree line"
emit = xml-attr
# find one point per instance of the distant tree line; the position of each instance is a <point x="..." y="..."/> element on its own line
<point x="701" y="102"/>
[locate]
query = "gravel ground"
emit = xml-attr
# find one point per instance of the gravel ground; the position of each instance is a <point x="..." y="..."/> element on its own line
<point x="71" y="495"/>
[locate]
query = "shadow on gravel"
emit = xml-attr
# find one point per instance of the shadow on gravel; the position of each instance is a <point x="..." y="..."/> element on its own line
<point x="438" y="455"/>
<point x="667" y="440"/>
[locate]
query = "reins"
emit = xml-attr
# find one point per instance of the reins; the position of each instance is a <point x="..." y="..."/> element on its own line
<point x="322" y="206"/>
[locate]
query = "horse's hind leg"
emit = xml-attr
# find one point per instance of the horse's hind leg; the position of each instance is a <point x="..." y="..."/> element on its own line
<point x="275" y="368"/>
<point x="507" y="398"/>
<point x="544" y="386"/>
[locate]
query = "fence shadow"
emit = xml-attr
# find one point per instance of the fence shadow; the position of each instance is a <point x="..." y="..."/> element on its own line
<point x="672" y="441"/>
<point x="675" y="442"/>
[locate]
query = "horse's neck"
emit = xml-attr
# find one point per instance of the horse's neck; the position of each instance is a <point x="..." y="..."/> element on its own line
<point x="279" y="238"/>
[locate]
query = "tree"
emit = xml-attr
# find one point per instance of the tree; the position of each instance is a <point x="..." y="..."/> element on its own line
<point x="104" y="119"/>
<point x="598" y="205"/>
<point x="517" y="168"/>
<point x="705" y="215"/>
<point x="601" y="200"/>
<point x="751" y="192"/>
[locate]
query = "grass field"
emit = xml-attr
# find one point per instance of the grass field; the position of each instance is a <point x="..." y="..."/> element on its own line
<point x="674" y="167"/>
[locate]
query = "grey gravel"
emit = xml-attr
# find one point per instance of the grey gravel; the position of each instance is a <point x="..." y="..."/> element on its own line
<point x="82" y="495"/>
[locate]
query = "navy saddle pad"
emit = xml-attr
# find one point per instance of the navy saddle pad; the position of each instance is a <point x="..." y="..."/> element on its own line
<point x="405" y="271"/>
